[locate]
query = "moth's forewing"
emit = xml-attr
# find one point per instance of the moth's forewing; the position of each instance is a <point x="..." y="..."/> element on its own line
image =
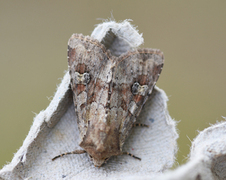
<point x="99" y="136"/>
<point x="85" y="55"/>
<point x="136" y="73"/>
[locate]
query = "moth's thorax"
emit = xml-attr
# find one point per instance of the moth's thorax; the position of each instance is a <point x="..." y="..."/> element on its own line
<point x="101" y="141"/>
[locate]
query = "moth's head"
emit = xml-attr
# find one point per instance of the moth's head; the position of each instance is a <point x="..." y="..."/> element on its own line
<point x="99" y="155"/>
<point x="100" y="145"/>
<point x="98" y="161"/>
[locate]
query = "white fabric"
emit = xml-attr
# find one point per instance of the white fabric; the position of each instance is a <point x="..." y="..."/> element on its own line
<point x="207" y="158"/>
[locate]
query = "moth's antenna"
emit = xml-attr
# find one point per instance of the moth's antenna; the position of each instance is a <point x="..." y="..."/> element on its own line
<point x="73" y="152"/>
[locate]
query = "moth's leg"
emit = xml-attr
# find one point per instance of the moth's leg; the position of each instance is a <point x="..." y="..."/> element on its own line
<point x="127" y="153"/>
<point x="73" y="152"/>
<point x="139" y="124"/>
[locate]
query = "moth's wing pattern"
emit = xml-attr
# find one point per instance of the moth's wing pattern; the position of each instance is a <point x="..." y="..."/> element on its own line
<point x="136" y="73"/>
<point x="109" y="92"/>
<point x="87" y="58"/>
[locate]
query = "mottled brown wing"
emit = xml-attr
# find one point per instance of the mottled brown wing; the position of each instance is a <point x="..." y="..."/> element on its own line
<point x="135" y="76"/>
<point x="87" y="60"/>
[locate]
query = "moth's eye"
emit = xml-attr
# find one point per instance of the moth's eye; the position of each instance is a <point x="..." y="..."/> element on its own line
<point x="90" y="156"/>
<point x="135" y="88"/>
<point x="86" y="78"/>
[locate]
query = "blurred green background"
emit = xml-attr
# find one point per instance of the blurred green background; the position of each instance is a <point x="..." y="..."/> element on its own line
<point x="33" y="57"/>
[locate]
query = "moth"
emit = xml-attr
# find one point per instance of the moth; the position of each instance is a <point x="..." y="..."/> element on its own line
<point x="108" y="93"/>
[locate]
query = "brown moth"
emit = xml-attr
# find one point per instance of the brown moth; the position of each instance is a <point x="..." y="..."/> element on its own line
<point x="109" y="93"/>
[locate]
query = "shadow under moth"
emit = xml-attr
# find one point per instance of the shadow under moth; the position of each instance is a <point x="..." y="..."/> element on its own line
<point x="109" y="93"/>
